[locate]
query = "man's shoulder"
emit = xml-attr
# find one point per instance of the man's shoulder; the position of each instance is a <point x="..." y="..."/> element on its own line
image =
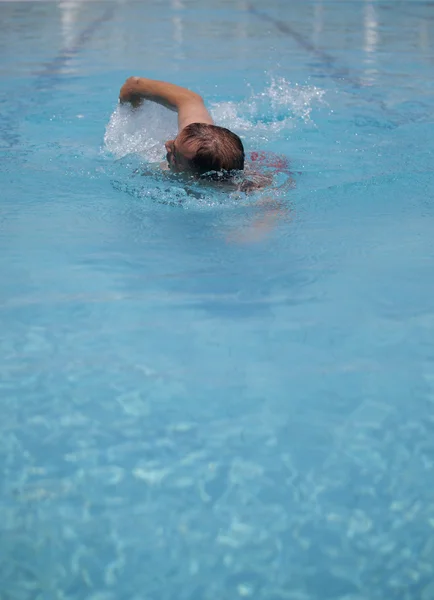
<point x="261" y="169"/>
<point x="270" y="161"/>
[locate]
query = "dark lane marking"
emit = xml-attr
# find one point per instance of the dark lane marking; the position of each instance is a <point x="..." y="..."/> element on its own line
<point x="329" y="62"/>
<point x="340" y="74"/>
<point x="49" y="75"/>
<point x="45" y="79"/>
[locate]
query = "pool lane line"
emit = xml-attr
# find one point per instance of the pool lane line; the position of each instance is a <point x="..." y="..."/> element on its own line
<point x="339" y="74"/>
<point x="328" y="61"/>
<point x="47" y="79"/>
<point x="53" y="68"/>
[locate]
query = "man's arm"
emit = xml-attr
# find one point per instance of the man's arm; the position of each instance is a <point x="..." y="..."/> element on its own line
<point x="187" y="104"/>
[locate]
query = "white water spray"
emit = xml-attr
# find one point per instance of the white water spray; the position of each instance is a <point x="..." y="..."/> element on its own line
<point x="265" y="116"/>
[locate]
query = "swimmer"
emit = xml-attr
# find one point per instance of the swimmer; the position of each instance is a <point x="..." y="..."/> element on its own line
<point x="201" y="149"/>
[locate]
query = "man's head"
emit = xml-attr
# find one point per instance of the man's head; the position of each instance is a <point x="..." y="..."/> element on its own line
<point x="201" y="148"/>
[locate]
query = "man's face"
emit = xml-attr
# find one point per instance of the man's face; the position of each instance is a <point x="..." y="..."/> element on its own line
<point x="179" y="154"/>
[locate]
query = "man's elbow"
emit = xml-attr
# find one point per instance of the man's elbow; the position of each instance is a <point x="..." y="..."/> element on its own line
<point x="192" y="97"/>
<point x="198" y="97"/>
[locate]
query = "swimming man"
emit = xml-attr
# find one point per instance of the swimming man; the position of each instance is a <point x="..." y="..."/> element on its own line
<point x="201" y="147"/>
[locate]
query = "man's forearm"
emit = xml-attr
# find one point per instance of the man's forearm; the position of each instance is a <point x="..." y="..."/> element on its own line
<point x="188" y="104"/>
<point x="168" y="94"/>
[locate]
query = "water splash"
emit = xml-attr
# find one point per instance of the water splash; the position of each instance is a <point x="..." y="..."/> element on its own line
<point x="278" y="108"/>
<point x="267" y="115"/>
<point x="141" y="131"/>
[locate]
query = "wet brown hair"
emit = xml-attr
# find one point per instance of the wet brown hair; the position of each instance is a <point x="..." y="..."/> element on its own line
<point x="219" y="151"/>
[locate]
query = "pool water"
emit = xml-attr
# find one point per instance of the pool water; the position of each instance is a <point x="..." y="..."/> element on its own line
<point x="202" y="400"/>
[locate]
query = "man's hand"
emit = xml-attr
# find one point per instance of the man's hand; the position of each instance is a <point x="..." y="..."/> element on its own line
<point x="128" y="93"/>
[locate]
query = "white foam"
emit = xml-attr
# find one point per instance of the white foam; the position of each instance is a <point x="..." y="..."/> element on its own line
<point x="281" y="106"/>
<point x="142" y="131"/>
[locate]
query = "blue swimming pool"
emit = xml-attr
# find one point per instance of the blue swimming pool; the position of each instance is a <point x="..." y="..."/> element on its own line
<point x="189" y="411"/>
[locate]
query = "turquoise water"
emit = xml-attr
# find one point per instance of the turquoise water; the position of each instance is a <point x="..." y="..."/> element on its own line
<point x="191" y="410"/>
